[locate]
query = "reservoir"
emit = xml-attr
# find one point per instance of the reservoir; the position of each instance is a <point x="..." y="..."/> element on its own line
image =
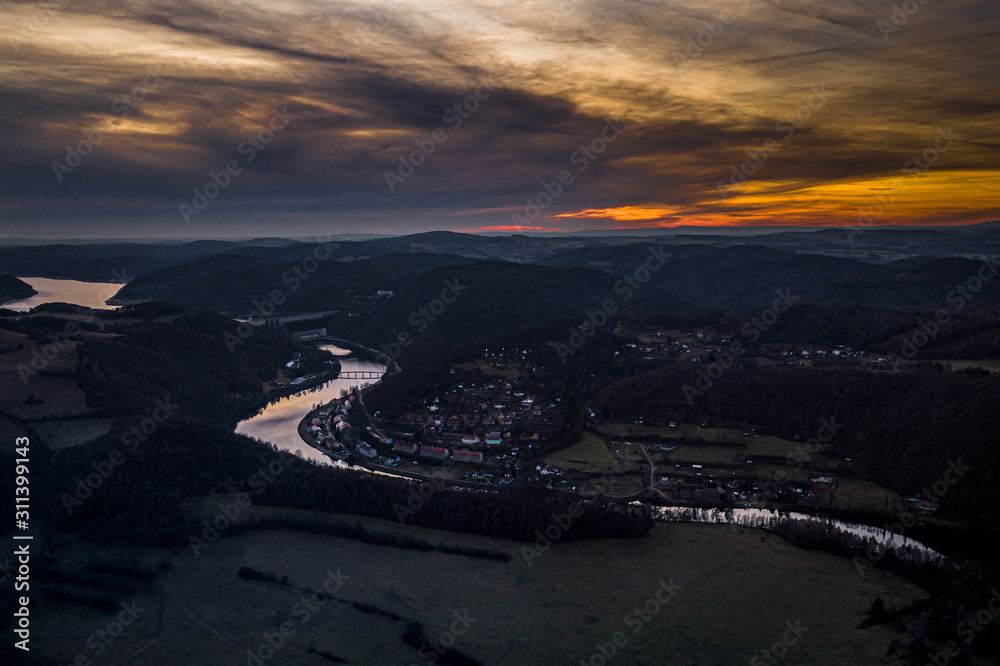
<point x="50" y="290"/>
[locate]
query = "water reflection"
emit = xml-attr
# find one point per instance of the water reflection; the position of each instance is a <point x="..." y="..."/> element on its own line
<point x="279" y="422"/>
<point x="762" y="517"/>
<point x="88" y="294"/>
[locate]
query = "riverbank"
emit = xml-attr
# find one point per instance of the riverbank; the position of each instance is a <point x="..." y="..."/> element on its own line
<point x="952" y="540"/>
<point x="276" y="394"/>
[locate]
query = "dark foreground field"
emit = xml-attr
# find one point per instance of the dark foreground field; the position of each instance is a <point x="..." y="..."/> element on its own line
<point x="736" y="591"/>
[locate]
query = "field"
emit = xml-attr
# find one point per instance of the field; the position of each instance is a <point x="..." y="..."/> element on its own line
<point x="712" y="435"/>
<point x="32" y="374"/>
<point x="737" y="590"/>
<point x="64" y="434"/>
<point x="858" y="495"/>
<point x="772" y="446"/>
<point x="10" y="340"/>
<point x="765" y="472"/>
<point x="991" y="365"/>
<point x="588" y="454"/>
<point x="62" y="396"/>
<point x="701" y="455"/>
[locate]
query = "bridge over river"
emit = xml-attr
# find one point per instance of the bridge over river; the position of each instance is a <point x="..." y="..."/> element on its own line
<point x="361" y="374"/>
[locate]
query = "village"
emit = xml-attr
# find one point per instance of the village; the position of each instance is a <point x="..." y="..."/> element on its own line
<point x="485" y="424"/>
<point x="487" y="428"/>
<point x="698" y="345"/>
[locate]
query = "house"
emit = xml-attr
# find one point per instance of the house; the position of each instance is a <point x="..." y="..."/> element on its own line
<point x="310" y="335"/>
<point x="434" y="452"/>
<point x="923" y="505"/>
<point x="453" y="422"/>
<point x="367" y="451"/>
<point x="469" y="440"/>
<point x="550" y="469"/>
<point x="494" y="439"/>
<point x="467" y="456"/>
<point x="402" y="446"/>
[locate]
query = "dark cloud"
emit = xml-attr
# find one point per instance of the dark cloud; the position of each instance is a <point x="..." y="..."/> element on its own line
<point x="366" y="80"/>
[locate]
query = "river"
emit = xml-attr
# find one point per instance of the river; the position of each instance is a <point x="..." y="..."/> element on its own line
<point x="50" y="290"/>
<point x="759" y="517"/>
<point x="278" y="423"/>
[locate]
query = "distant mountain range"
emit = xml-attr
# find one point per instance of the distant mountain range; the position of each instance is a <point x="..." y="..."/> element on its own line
<point x="511" y="282"/>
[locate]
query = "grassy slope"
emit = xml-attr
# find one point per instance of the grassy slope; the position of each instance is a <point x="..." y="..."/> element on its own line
<point x="739" y="589"/>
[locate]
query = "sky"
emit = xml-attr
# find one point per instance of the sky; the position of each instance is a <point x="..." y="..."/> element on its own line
<point x="191" y="118"/>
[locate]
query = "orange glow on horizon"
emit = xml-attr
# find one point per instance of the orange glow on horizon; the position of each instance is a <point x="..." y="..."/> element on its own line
<point x="513" y="228"/>
<point x="932" y="198"/>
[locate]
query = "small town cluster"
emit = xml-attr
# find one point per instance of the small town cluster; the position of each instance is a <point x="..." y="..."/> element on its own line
<point x="489" y="424"/>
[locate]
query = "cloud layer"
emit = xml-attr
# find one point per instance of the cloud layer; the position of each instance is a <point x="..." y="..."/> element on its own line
<point x="734" y="112"/>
